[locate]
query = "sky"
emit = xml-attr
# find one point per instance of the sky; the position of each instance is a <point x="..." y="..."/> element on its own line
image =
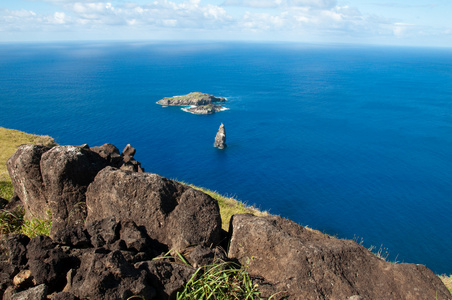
<point x="388" y="22"/>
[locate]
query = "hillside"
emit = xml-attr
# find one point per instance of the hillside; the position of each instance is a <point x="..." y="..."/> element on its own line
<point x="247" y="228"/>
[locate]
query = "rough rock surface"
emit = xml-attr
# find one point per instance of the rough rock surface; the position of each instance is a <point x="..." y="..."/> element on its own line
<point x="172" y="213"/>
<point x="24" y="170"/>
<point x="57" y="178"/>
<point x="205" y="109"/>
<point x="114" y="269"/>
<point x="66" y="172"/>
<point x="220" y="138"/>
<point x="304" y="264"/>
<point x="194" y="98"/>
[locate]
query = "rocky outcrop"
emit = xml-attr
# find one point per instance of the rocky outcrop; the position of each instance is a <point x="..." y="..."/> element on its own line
<point x="201" y="103"/>
<point x="205" y="109"/>
<point x="25" y="172"/>
<point x="116" y="248"/>
<point x="175" y="214"/>
<point x="56" y="178"/>
<point x="66" y="173"/>
<point x="194" y="98"/>
<point x="298" y="263"/>
<point x="220" y="138"/>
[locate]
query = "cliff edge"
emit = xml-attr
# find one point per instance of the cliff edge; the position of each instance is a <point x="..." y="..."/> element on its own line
<point x="112" y="225"/>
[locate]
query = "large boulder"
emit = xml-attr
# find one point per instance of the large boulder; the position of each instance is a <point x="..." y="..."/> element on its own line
<point x="299" y="263"/>
<point x="66" y="173"/>
<point x="172" y="213"/>
<point x="24" y="170"/>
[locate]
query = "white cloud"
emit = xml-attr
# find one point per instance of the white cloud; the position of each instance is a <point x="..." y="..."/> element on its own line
<point x="291" y="19"/>
<point x="254" y="3"/>
<point x="59" y="18"/>
<point x="320" y="4"/>
<point x="314" y="4"/>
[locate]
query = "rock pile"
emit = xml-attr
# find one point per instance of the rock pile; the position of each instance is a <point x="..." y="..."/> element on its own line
<point x="112" y="223"/>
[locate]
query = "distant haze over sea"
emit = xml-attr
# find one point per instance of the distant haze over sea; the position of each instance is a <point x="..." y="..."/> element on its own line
<point x="353" y="141"/>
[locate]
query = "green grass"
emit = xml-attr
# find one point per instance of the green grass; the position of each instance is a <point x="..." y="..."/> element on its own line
<point x="11" y="221"/>
<point x="6" y="189"/>
<point x="10" y="140"/>
<point x="225" y="280"/>
<point x="37" y="227"/>
<point x="447" y="279"/>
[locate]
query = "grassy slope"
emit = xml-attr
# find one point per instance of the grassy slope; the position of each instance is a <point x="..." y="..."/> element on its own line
<point x="11" y="139"/>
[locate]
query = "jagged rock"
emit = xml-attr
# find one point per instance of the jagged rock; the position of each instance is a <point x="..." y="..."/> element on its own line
<point x="48" y="263"/>
<point x="108" y="276"/>
<point x="103" y="232"/>
<point x="24" y="170"/>
<point x="310" y="265"/>
<point x="66" y="172"/>
<point x="220" y="138"/>
<point x="134" y="238"/>
<point x="204" y="256"/>
<point x="17" y="249"/>
<point x="76" y="237"/>
<point x="167" y="277"/>
<point x="35" y="293"/>
<point x="110" y="153"/>
<point x="172" y="213"/>
<point x="57" y="178"/>
<point x="128" y="151"/>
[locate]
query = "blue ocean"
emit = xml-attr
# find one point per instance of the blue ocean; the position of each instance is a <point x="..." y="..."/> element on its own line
<point x="355" y="141"/>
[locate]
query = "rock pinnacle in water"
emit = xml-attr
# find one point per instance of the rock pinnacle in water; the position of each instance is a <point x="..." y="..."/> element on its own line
<point x="220" y="138"/>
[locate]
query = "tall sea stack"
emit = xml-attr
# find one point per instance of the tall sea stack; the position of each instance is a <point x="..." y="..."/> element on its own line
<point x="220" y="138"/>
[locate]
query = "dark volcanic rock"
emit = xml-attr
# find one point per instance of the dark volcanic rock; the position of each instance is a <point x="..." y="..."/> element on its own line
<point x="24" y="170"/>
<point x="75" y="236"/>
<point x="103" y="232"/>
<point x="167" y="277"/>
<point x="110" y="153"/>
<point x="67" y="171"/>
<point x="36" y="293"/>
<point x="108" y="276"/>
<point x="220" y="138"/>
<point x="172" y="213"/>
<point x="304" y="264"/>
<point x="48" y="264"/>
<point x="17" y="249"/>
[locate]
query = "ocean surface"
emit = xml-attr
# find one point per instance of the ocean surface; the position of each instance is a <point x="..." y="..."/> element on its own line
<point x="353" y="141"/>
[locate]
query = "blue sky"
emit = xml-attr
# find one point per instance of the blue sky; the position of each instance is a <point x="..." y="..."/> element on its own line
<point x="394" y="22"/>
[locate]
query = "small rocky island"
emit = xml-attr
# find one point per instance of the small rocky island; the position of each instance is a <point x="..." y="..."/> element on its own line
<point x="201" y="103"/>
<point x="220" y="138"/>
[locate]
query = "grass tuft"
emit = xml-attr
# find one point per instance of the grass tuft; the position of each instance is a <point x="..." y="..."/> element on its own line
<point x="11" y="221"/>
<point x="37" y="227"/>
<point x="224" y="280"/>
